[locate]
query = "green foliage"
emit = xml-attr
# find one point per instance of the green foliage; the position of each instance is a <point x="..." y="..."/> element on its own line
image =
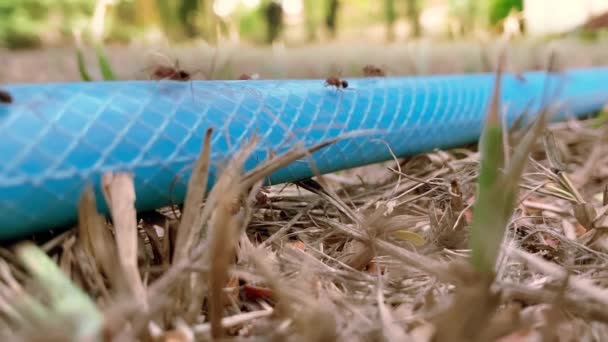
<point x="413" y="13"/>
<point x="187" y="13"/>
<point x="331" y="16"/>
<point x="273" y="15"/>
<point x="24" y="23"/>
<point x="498" y="185"/>
<point x="499" y="9"/>
<point x="122" y="22"/>
<point x="63" y="300"/>
<point x="312" y="14"/>
<point x="19" y="32"/>
<point x="104" y="64"/>
<point x="601" y="119"/>
<point x="389" y="11"/>
<point x="82" y="68"/>
<point x="466" y="11"/>
<point x="18" y="25"/>
<point x="187" y="19"/>
<point x="168" y="16"/>
<point x="249" y="24"/>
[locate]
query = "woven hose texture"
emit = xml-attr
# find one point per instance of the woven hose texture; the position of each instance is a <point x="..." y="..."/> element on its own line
<point x="57" y="138"/>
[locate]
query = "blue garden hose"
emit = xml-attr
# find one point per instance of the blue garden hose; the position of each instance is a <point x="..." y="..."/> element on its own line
<point x="57" y="138"/>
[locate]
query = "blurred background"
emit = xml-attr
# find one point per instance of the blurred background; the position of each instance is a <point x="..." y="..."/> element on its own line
<point x="395" y="32"/>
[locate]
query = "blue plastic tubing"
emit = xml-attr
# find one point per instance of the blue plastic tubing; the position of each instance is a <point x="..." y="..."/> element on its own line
<point x="57" y="138"/>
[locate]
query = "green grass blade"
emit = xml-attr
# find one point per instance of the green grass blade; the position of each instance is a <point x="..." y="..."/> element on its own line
<point x="522" y="151"/>
<point x="488" y="222"/>
<point x="82" y="68"/>
<point x="66" y="299"/>
<point x="498" y="185"/>
<point x="601" y="119"/>
<point x="104" y="64"/>
<point x="26" y="309"/>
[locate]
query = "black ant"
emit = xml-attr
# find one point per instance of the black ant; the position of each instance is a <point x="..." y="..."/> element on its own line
<point x="171" y="73"/>
<point x="336" y="82"/>
<point x="5" y="97"/>
<point x="373" y="71"/>
<point x="245" y="77"/>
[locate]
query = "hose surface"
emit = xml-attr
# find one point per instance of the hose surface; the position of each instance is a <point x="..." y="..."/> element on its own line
<point x="59" y="137"/>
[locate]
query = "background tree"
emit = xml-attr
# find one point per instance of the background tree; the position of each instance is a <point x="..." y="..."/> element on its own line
<point x="273" y="12"/>
<point x="413" y="14"/>
<point x="464" y="11"/>
<point x="390" y="15"/>
<point x="186" y="13"/>
<point x="208" y="21"/>
<point x="500" y="9"/>
<point x="29" y="23"/>
<point x="146" y="13"/>
<point x="168" y="18"/>
<point x="310" y="17"/>
<point x="331" y="17"/>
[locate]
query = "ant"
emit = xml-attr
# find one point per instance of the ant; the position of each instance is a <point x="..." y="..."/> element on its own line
<point x="373" y="71"/>
<point x="244" y="77"/>
<point x="171" y="73"/>
<point x="520" y="77"/>
<point x="5" y="96"/>
<point x="336" y="82"/>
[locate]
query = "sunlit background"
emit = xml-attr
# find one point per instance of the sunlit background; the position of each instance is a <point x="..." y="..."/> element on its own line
<point x="36" y="23"/>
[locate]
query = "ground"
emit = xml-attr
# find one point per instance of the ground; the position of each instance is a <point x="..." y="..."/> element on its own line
<point x="230" y="60"/>
<point x="376" y="253"/>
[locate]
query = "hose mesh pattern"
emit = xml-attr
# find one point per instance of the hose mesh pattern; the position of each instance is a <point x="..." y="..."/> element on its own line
<point x="57" y="138"/>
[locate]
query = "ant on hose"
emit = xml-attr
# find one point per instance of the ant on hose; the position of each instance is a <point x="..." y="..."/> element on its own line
<point x="5" y="97"/>
<point x="334" y="81"/>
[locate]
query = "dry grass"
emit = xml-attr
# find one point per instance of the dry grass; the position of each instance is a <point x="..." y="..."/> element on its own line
<point x="325" y="263"/>
<point x="376" y="253"/>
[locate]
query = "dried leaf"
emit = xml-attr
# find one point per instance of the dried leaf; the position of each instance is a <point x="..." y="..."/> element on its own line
<point x="569" y="230"/>
<point x="119" y="192"/>
<point x="223" y="236"/>
<point x="390" y="329"/>
<point x="357" y="254"/>
<point x="374" y="268"/>
<point x="522" y="335"/>
<point x="232" y="294"/>
<point x="97" y="239"/>
<point x="405" y="235"/>
<point x="190" y="225"/>
<point x="423" y="332"/>
<point x="585" y="214"/>
<point x="297" y="244"/>
<point x="253" y="293"/>
<point x="600" y="197"/>
<point x="553" y="152"/>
